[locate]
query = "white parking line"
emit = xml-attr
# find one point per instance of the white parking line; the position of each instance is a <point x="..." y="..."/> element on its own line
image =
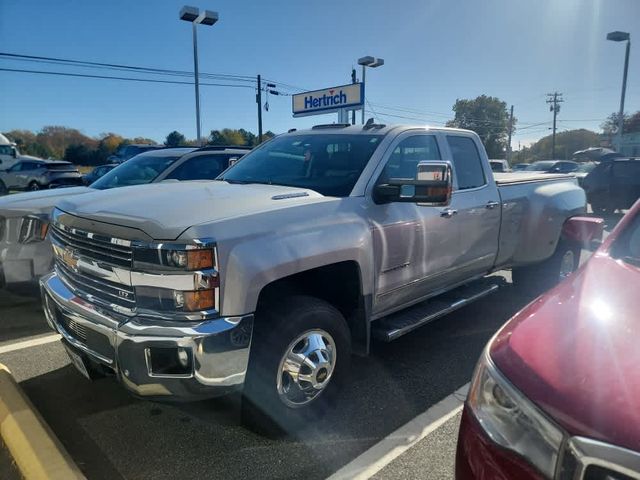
<point x="32" y="342"/>
<point x="391" y="447"/>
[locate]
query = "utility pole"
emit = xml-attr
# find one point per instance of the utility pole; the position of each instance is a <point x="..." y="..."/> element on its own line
<point x="353" y="80"/>
<point x="510" y="133"/>
<point x="259" y="102"/>
<point x="554" y="100"/>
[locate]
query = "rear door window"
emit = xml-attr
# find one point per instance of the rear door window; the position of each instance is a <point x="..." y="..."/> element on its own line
<point x="201" y="167"/>
<point x="467" y="164"/>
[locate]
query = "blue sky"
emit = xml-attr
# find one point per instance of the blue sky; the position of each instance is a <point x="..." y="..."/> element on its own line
<point x="435" y="51"/>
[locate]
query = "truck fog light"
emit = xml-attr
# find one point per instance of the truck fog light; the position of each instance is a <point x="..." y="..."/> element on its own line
<point x="168" y="361"/>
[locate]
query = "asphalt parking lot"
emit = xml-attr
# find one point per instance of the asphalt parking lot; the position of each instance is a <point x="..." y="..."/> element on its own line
<point x="111" y="435"/>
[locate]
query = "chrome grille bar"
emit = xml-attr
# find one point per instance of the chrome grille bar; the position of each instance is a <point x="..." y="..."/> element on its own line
<point x="89" y="246"/>
<point x="98" y="288"/>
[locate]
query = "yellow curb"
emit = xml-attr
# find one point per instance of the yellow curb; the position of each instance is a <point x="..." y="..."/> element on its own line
<point x="32" y="444"/>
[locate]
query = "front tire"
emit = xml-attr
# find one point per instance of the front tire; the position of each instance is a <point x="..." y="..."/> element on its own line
<point x="34" y="187"/>
<point x="541" y="277"/>
<point x="300" y="355"/>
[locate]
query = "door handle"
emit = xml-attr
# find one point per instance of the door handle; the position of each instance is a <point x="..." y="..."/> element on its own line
<point x="448" y="213"/>
<point x="492" y="205"/>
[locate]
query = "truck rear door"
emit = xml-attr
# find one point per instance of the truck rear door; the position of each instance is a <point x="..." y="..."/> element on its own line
<point x="475" y="209"/>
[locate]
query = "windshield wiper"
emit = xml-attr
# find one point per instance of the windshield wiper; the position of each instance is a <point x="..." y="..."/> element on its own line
<point x="632" y="260"/>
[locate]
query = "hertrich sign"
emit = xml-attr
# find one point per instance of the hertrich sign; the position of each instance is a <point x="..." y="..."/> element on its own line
<point x="328" y="100"/>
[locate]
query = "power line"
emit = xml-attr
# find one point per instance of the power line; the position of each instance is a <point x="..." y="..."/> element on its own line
<point x="140" y="69"/>
<point x="131" y="79"/>
<point x="89" y="64"/>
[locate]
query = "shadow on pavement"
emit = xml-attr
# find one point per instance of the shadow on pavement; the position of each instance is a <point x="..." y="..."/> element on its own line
<point x="21" y="315"/>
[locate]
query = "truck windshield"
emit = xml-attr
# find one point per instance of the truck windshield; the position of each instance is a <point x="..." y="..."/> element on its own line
<point x="328" y="164"/>
<point x="137" y="171"/>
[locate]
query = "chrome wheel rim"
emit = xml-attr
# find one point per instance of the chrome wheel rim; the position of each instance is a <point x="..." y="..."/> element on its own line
<point x="306" y="368"/>
<point x="567" y="265"/>
<point x="34" y="187"/>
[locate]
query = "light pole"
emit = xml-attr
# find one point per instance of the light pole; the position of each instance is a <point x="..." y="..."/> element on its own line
<point x="370" y="62"/>
<point x="193" y="15"/>
<point x="621" y="37"/>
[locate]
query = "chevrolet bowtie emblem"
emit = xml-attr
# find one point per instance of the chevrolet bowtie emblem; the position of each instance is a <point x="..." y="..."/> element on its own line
<point x="70" y="258"/>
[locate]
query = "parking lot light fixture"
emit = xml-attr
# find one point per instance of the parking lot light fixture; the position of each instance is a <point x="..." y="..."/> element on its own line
<point x="195" y="17"/>
<point x="370" y="62"/>
<point x="621" y="37"/>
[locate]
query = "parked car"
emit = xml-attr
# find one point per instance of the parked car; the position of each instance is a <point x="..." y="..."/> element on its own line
<point x="126" y="152"/>
<point x="517" y="167"/>
<point x="98" y="172"/>
<point x="302" y="252"/>
<point x="553" y="166"/>
<point x="556" y="392"/>
<point x="613" y="185"/>
<point x="499" y="166"/>
<point x="25" y="252"/>
<point x="38" y="174"/>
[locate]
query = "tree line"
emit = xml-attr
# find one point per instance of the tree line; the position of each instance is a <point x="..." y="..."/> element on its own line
<point x="487" y="116"/>
<point x="70" y="144"/>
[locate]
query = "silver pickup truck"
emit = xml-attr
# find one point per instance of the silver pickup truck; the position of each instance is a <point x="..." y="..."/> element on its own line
<point x="294" y="258"/>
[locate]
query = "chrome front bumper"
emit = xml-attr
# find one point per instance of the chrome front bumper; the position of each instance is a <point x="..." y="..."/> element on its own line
<point x="217" y="350"/>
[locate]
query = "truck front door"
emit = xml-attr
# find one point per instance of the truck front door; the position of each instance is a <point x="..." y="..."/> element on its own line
<point x="476" y="203"/>
<point x="413" y="244"/>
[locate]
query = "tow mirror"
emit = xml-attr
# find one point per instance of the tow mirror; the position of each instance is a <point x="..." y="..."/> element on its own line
<point x="14" y="153"/>
<point x="432" y="186"/>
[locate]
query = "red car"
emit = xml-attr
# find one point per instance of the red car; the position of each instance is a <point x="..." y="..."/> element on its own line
<point x="556" y="394"/>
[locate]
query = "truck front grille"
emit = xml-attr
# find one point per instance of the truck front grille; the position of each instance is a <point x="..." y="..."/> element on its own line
<point x="107" y="292"/>
<point x="86" y="262"/>
<point x="96" y="247"/>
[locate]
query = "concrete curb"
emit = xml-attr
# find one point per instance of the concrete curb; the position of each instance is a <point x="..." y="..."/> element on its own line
<point x="34" y="447"/>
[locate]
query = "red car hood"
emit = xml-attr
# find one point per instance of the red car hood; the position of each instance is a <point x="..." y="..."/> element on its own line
<point x="575" y="352"/>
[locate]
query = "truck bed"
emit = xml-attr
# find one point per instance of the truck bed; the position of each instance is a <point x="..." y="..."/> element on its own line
<point x="534" y="208"/>
<point x="510" y="178"/>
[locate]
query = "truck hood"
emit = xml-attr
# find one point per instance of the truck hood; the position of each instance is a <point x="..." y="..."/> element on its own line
<point x="574" y="352"/>
<point x="164" y="210"/>
<point x="41" y="201"/>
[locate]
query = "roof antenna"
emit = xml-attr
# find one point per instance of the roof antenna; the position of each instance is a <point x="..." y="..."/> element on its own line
<point x="369" y="124"/>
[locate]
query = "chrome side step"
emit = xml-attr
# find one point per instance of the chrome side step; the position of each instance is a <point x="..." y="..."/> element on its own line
<point x="393" y="326"/>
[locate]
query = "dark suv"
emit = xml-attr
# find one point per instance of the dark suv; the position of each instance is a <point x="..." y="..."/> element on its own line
<point x="39" y="174"/>
<point x="613" y="185"/>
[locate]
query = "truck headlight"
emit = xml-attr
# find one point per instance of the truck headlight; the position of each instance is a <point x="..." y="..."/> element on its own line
<point x="33" y="228"/>
<point x="176" y="278"/>
<point x="178" y="258"/>
<point x="511" y="420"/>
